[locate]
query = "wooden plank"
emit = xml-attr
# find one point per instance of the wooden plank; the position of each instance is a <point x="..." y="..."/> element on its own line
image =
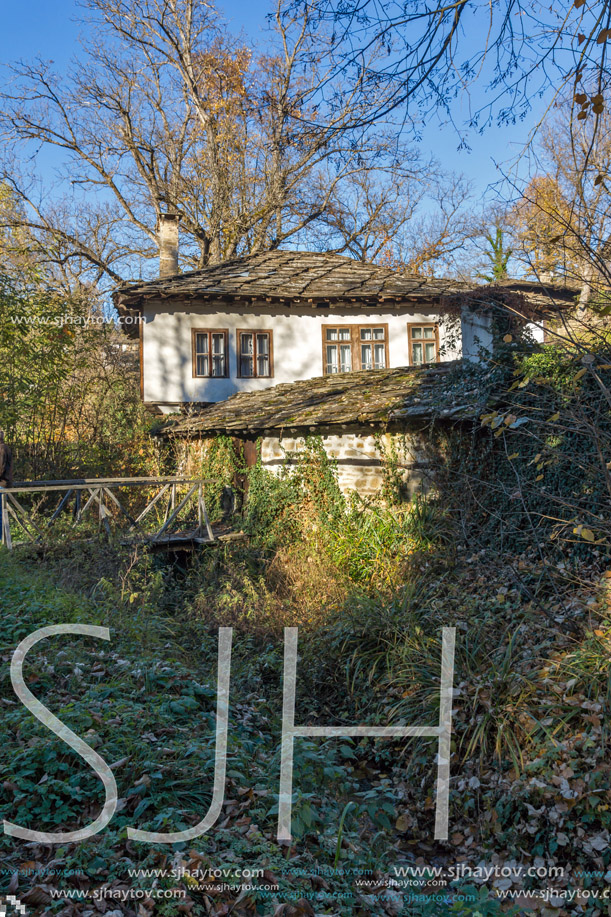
<point x="87" y="483"/>
<point x="203" y="514"/>
<point x="12" y="500"/>
<point x="173" y="515"/>
<point x="207" y="522"/>
<point x="5" y="534"/>
<point x="150" y="505"/>
<point x="110" y="494"/>
<point x="85" y="508"/>
<point x="250" y="453"/>
<point x="98" y="496"/>
<point x="61" y="505"/>
<point x="22" y="524"/>
<point x="77" y="506"/>
<point x="171" y="503"/>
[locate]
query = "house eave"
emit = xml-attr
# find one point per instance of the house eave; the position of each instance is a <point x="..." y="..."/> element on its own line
<point x="369" y="400"/>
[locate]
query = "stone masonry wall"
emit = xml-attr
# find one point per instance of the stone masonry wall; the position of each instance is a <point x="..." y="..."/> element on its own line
<point x="360" y="457"/>
<point x="360" y="462"/>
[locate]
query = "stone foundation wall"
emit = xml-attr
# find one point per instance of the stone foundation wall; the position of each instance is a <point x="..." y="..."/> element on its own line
<point x="360" y="458"/>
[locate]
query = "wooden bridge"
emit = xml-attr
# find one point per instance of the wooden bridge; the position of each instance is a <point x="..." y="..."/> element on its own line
<point x="156" y="511"/>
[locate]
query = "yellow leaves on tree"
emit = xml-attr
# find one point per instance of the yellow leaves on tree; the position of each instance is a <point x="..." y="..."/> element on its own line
<point x="221" y="75"/>
<point x="542" y="220"/>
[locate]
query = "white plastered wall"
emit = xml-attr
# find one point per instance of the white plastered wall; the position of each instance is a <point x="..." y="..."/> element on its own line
<point x="477" y="335"/>
<point x="297" y="343"/>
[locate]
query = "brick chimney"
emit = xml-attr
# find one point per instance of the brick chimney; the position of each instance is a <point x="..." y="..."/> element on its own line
<point x="167" y="236"/>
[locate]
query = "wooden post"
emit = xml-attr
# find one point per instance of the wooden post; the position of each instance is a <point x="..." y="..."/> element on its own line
<point x="206" y="521"/>
<point x="62" y="504"/>
<point x="77" y="507"/>
<point x="250" y="460"/>
<point x="81" y="513"/>
<point x="150" y="506"/>
<point x="102" y="492"/>
<point x="117" y="503"/>
<point x="22" y="516"/>
<point x="171" y="503"/>
<point x="102" y="511"/>
<point x="175" y="514"/>
<point x="6" y="525"/>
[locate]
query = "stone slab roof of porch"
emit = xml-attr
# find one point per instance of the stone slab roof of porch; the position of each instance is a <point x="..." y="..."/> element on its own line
<point x="376" y="398"/>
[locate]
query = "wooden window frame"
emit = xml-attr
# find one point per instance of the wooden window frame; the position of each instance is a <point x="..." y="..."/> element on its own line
<point x="238" y="349"/>
<point x="355" y="345"/>
<point x="209" y="332"/>
<point x="410" y="339"/>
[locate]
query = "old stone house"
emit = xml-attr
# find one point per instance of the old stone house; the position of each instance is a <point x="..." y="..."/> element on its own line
<point x="366" y="421"/>
<point x="274" y="347"/>
<point x="278" y="317"/>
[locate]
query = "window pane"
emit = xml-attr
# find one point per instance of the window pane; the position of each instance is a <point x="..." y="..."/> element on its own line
<point x="247" y="363"/>
<point x="331" y="334"/>
<point x="263" y="354"/>
<point x="344" y="334"/>
<point x="416" y="332"/>
<point x="201" y="352"/>
<point x="429" y="353"/>
<point x="416" y="353"/>
<point x="378" y="334"/>
<point x="379" y="356"/>
<point x="345" y="354"/>
<point x="428" y="332"/>
<point x="218" y="354"/>
<point x="366" y="356"/>
<point x="332" y="366"/>
<point x="365" y="334"/>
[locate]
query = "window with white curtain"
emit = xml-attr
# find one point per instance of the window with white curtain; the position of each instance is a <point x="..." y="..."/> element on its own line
<point x="255" y="354"/>
<point x="210" y="353"/>
<point x="348" y="348"/>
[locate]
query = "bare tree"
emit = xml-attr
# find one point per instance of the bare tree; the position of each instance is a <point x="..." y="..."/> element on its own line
<point x="163" y="113"/>
<point x="561" y="220"/>
<point x="367" y="213"/>
<point x="428" y="54"/>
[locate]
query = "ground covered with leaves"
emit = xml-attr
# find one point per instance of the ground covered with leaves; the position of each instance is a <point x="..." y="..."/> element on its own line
<point x="370" y="586"/>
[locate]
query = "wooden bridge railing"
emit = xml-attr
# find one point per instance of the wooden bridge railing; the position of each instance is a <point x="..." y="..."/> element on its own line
<point x="101" y="494"/>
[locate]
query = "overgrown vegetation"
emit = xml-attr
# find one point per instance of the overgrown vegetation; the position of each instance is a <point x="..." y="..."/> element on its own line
<point x="370" y="585"/>
<point x="538" y="473"/>
<point x="69" y="401"/>
<point x="165" y="114"/>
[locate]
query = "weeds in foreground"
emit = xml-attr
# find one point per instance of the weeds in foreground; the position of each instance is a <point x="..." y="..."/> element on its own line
<point x="370" y="586"/>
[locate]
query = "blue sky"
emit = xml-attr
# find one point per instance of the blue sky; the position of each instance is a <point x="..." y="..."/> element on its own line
<point x="49" y="28"/>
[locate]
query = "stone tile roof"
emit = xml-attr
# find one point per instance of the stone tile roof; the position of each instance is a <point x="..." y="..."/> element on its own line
<point x="289" y="276"/>
<point x="374" y="397"/>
